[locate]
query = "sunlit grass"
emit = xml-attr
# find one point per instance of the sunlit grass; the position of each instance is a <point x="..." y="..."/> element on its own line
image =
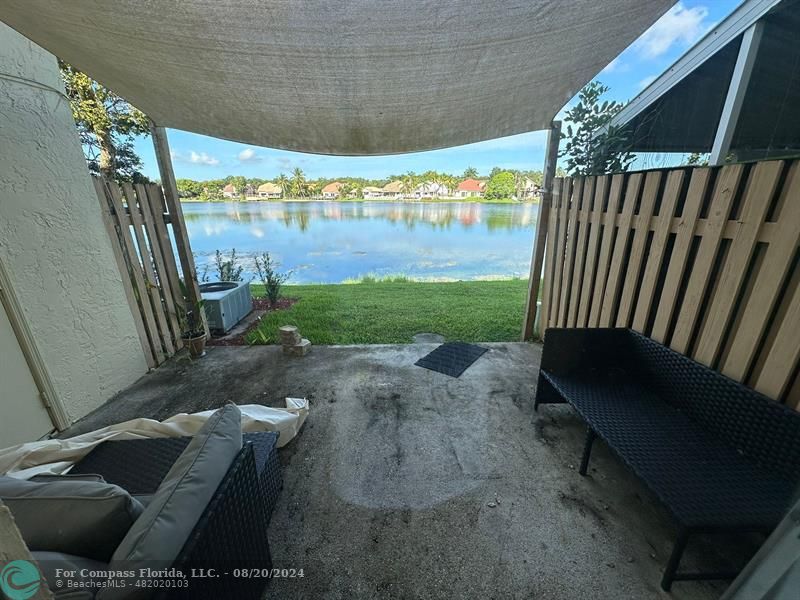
<point x="391" y="312"/>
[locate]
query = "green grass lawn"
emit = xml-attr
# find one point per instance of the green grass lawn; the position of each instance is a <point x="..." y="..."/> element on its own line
<point x="392" y="312"/>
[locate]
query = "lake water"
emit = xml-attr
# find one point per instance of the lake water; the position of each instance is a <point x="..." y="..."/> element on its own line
<point x="329" y="242"/>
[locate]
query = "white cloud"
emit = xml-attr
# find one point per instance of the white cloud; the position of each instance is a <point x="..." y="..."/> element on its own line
<point x="248" y="155"/>
<point x="614" y="65"/>
<point x="678" y="25"/>
<point x="196" y="158"/>
<point x="646" y="81"/>
<point x="201" y="158"/>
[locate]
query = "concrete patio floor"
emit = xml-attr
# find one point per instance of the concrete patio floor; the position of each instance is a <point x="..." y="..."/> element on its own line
<point x="405" y="483"/>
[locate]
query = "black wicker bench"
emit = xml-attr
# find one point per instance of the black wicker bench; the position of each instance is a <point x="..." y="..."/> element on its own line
<point x="720" y="456"/>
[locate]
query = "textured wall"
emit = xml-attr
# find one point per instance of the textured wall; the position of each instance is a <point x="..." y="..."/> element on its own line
<point x="52" y="239"/>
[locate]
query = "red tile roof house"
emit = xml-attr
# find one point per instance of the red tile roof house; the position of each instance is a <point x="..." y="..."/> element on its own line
<point x="331" y="191"/>
<point x="470" y="188"/>
<point x="229" y="191"/>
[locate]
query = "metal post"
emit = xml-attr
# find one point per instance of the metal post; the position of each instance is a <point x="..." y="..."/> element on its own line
<point x="751" y="40"/>
<point x="172" y="199"/>
<point x="675" y="559"/>
<point x="537" y="261"/>
<point x="587" y="451"/>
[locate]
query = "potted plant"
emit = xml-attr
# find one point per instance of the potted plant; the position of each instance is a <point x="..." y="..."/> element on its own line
<point x="193" y="332"/>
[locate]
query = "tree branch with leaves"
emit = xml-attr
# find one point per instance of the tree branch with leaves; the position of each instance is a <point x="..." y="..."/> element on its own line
<point x="588" y="150"/>
<point x="107" y="126"/>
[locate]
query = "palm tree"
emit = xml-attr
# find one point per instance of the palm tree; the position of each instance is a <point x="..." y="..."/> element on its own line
<point x="450" y="182"/>
<point x="408" y="184"/>
<point x="282" y="181"/>
<point x="345" y="189"/>
<point x="470" y="173"/>
<point x="313" y="188"/>
<point x="439" y="184"/>
<point x="298" y="182"/>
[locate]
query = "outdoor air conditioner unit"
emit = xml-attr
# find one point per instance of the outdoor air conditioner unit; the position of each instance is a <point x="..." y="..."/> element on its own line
<point x="226" y="303"/>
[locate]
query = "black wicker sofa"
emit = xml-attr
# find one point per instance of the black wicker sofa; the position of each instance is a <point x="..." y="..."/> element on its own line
<point x="231" y="536"/>
<point x="720" y="456"/>
<point x="156" y="518"/>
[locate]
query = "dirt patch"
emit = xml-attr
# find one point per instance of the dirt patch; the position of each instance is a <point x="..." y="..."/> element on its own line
<point x="261" y="305"/>
<point x="545" y="430"/>
<point x="583" y="507"/>
<point x="265" y="305"/>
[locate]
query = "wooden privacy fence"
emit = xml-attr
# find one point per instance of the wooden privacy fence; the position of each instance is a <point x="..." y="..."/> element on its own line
<point x="138" y="222"/>
<point x="704" y="260"/>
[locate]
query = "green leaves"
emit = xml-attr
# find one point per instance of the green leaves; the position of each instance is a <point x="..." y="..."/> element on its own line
<point x="107" y="126"/>
<point x="500" y="185"/>
<point x="271" y="278"/>
<point x="589" y="151"/>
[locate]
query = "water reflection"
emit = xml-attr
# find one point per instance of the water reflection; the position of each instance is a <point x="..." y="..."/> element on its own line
<point x="300" y="214"/>
<point x="333" y="241"/>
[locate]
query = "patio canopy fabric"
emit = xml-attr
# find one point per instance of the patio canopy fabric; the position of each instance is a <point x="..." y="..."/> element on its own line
<point x="353" y="77"/>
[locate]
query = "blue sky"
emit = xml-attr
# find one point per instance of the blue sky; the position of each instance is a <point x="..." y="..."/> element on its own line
<point x="200" y="157"/>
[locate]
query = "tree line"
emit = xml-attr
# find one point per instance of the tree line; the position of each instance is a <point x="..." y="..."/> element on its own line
<point x="500" y="183"/>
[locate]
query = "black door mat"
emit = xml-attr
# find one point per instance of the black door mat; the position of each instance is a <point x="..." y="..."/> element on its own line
<point x="452" y="358"/>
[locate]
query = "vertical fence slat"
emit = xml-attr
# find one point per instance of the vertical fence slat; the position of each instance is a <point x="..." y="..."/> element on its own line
<point x="123" y="270"/>
<point x="767" y="286"/>
<point x="590" y="268"/>
<point x="580" y="250"/>
<point x="603" y="262"/>
<point x="549" y="256"/>
<point x="164" y="279"/>
<point x="698" y="186"/>
<point x="724" y="193"/>
<point x="758" y="195"/>
<point x="139" y="286"/>
<point x="157" y="208"/>
<point x="615" y="274"/>
<point x="151" y="282"/>
<point x="569" y="260"/>
<point x="640" y="235"/>
<point x="658" y="247"/>
<point x="784" y="354"/>
<point x="559" y="254"/>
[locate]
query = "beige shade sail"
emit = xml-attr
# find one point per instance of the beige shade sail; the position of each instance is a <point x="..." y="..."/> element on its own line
<point x="347" y="77"/>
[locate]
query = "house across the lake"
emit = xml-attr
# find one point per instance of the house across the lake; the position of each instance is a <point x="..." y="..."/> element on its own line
<point x="332" y="190"/>
<point x="372" y="192"/>
<point x="269" y="190"/>
<point x="471" y="188"/>
<point x="432" y="189"/>
<point x="230" y="191"/>
<point x="529" y="189"/>
<point x="393" y="189"/>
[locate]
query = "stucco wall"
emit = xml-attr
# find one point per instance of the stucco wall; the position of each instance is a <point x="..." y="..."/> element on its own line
<point x="52" y="239"/>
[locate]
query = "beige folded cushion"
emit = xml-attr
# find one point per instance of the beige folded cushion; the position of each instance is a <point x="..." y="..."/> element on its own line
<point x="84" y="518"/>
